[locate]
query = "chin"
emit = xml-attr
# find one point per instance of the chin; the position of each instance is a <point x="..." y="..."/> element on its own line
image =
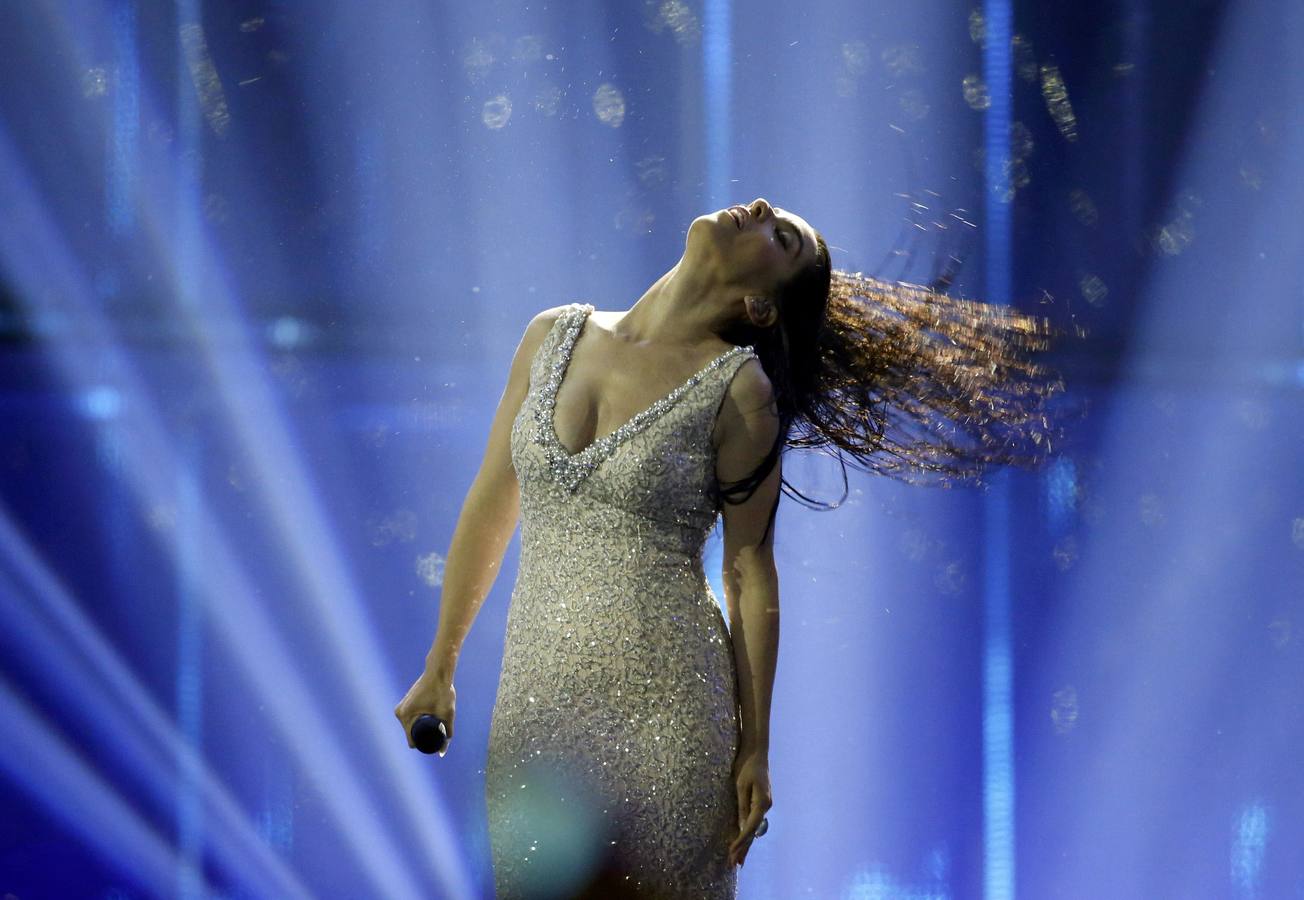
<point x="718" y="220"/>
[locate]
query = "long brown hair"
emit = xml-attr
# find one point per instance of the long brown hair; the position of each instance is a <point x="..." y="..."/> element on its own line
<point x="901" y="380"/>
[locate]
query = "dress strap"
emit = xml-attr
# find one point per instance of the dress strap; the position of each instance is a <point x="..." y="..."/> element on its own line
<point x="736" y="359"/>
<point x="552" y="343"/>
<point x="724" y="376"/>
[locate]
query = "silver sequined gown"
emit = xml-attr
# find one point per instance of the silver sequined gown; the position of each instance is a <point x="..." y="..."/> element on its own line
<point x="616" y="723"/>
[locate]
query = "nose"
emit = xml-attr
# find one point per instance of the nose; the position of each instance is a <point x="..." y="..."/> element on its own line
<point x="760" y="207"/>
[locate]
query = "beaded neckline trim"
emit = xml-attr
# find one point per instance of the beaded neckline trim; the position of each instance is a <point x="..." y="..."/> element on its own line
<point x="570" y="469"/>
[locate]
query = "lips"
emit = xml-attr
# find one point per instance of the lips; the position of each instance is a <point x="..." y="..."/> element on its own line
<point x="737" y="216"/>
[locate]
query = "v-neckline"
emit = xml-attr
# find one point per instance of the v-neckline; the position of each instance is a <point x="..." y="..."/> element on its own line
<point x="639" y="419"/>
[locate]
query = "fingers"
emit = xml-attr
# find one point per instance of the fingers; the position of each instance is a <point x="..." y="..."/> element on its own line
<point x="746" y="825"/>
<point x="756" y="805"/>
<point x="427" y="696"/>
<point x="738" y="849"/>
<point x="743" y="809"/>
<point x="407" y="721"/>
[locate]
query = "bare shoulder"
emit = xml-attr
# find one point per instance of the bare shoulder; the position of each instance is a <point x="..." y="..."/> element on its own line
<point x="750" y="393"/>
<point x="748" y="414"/>
<point x="537" y="329"/>
<point x="545" y="319"/>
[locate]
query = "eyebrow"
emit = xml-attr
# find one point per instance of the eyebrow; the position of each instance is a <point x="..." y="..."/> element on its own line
<point x="801" y="242"/>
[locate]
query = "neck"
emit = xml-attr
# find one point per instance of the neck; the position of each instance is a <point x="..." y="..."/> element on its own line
<point x="678" y="309"/>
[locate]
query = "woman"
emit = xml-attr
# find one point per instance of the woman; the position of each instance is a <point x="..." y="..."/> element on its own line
<point x="630" y="734"/>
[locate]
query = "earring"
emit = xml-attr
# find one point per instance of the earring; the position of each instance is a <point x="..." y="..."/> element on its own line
<point x="759" y="306"/>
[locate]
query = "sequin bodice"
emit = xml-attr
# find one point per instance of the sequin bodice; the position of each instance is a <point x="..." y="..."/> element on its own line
<point x="617" y="665"/>
<point x="667" y="476"/>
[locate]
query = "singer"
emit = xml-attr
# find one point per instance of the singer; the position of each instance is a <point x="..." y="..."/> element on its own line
<point x="625" y="706"/>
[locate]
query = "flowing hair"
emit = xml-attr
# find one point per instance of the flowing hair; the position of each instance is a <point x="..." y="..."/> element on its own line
<point x="900" y="380"/>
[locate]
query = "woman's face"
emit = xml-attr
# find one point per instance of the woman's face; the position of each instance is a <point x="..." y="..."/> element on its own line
<point x="756" y="247"/>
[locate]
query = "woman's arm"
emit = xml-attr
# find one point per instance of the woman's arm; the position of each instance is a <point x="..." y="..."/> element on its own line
<point x="488" y="516"/>
<point x="747" y="429"/>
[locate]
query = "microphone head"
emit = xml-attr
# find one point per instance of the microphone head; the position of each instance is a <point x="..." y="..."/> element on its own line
<point x="429" y="734"/>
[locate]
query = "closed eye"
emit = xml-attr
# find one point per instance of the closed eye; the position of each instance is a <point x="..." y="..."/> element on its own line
<point x="787" y="240"/>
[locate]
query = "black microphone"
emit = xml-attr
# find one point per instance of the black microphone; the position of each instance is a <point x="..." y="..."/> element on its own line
<point x="429" y="733"/>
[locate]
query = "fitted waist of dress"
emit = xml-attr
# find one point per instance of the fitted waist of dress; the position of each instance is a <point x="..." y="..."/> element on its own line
<point x="588" y="527"/>
<point x="562" y="549"/>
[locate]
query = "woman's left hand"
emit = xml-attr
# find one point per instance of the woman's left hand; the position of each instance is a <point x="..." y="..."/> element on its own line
<point x="752" y="776"/>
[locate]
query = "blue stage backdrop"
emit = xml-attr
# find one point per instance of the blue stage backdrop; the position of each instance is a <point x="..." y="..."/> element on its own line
<point x="263" y="267"/>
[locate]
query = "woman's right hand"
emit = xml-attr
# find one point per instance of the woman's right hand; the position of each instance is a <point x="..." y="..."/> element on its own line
<point x="428" y="694"/>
